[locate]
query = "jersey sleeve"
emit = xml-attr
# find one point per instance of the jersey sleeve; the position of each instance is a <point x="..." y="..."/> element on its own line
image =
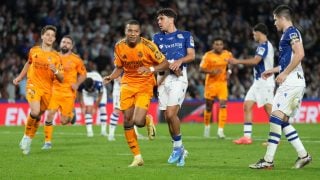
<point x="204" y="62"/>
<point x="294" y="36"/>
<point x="81" y="69"/>
<point x="155" y="53"/>
<point x="189" y="40"/>
<point x="99" y="87"/>
<point x="261" y="51"/>
<point x="117" y="60"/>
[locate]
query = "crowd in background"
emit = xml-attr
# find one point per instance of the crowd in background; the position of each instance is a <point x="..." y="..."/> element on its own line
<point x="96" y="25"/>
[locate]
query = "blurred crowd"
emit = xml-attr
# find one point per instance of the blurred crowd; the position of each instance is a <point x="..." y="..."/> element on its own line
<point x="96" y="25"/>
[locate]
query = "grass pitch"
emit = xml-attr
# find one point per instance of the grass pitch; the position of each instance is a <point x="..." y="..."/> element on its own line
<point x="75" y="156"/>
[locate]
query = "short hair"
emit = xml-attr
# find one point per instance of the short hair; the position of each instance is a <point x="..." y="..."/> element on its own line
<point x="88" y="83"/>
<point x="218" y="38"/>
<point x="261" y="28"/>
<point x="133" y="22"/>
<point x="283" y="11"/>
<point x="167" y="12"/>
<point x="69" y="37"/>
<point x="48" y="27"/>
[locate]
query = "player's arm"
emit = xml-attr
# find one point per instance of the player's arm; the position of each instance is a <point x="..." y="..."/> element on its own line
<point x="22" y="73"/>
<point x="298" y="54"/>
<point x="117" y="71"/>
<point x="164" y="65"/>
<point x="191" y="55"/>
<point x="81" y="78"/>
<point x="250" y="61"/>
<point x="266" y="74"/>
<point x="57" y="71"/>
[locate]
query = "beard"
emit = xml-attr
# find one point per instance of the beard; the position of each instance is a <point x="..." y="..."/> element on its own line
<point x="64" y="50"/>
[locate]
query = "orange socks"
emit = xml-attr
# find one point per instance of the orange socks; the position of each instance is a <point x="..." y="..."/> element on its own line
<point x="207" y="118"/>
<point x="48" y="129"/>
<point x="222" y="117"/>
<point x="28" y="131"/>
<point x="132" y="141"/>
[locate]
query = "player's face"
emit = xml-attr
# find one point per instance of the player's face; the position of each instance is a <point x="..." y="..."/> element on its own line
<point x="278" y="22"/>
<point x="66" y="45"/>
<point x="218" y="46"/>
<point x="132" y="33"/>
<point x="164" y="22"/>
<point x="48" y="37"/>
<point x="256" y="35"/>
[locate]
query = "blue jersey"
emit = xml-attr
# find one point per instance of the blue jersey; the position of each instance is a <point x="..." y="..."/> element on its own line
<point x="289" y="37"/>
<point x="266" y="52"/>
<point x="174" y="45"/>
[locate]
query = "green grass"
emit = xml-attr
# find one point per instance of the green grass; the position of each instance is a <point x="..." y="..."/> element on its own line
<point x="74" y="156"/>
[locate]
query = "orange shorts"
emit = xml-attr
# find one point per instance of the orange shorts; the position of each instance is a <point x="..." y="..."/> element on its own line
<point x="36" y="94"/>
<point x="64" y="103"/>
<point x="218" y="90"/>
<point x="135" y="96"/>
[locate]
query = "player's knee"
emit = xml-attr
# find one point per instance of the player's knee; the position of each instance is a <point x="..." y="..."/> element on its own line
<point x="170" y="115"/>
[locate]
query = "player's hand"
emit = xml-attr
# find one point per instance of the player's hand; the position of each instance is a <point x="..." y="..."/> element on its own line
<point x="53" y="68"/>
<point x="281" y="78"/>
<point x="16" y="80"/>
<point x="143" y="70"/>
<point x="216" y="72"/>
<point x="178" y="72"/>
<point x="175" y="65"/>
<point x="266" y="74"/>
<point x="106" y="79"/>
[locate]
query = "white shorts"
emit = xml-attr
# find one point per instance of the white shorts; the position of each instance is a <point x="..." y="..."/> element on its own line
<point x="172" y="91"/>
<point x="260" y="94"/>
<point x="288" y="99"/>
<point x="90" y="98"/>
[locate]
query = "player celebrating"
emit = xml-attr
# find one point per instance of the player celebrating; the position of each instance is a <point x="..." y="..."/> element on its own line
<point x="42" y="67"/>
<point x="290" y="92"/>
<point x="214" y="63"/>
<point x="261" y="91"/>
<point x="137" y="58"/>
<point x="64" y="94"/>
<point x="178" y="47"/>
<point x="93" y="95"/>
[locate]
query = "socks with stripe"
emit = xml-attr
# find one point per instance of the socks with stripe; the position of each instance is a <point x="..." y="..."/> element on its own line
<point x="293" y="137"/>
<point x="274" y="137"/>
<point x="247" y="129"/>
<point x="132" y="141"/>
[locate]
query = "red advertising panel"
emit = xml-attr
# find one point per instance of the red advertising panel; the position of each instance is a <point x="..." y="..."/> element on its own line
<point x="13" y="114"/>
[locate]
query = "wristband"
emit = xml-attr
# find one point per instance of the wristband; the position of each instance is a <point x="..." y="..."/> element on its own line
<point x="151" y="69"/>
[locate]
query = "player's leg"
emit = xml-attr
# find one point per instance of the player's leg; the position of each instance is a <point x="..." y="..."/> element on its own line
<point x="48" y="129"/>
<point x="88" y="102"/>
<point x="247" y="125"/>
<point x="175" y="98"/>
<point x="113" y="123"/>
<point x="222" y="95"/>
<point x="103" y="119"/>
<point x="209" y="95"/>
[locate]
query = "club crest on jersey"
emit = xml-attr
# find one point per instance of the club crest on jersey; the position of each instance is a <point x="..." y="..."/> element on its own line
<point x="261" y="50"/>
<point x="180" y="36"/>
<point x="140" y="55"/>
<point x="161" y="46"/>
<point x="124" y="56"/>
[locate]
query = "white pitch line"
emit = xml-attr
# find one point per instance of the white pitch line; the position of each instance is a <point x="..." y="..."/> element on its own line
<point x="304" y="139"/>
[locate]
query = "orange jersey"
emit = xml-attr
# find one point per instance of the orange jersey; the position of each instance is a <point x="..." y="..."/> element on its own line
<point x="212" y="61"/>
<point x="39" y="74"/>
<point x="72" y="66"/>
<point x="145" y="53"/>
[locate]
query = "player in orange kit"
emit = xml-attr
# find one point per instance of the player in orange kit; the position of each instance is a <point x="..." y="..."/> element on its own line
<point x="64" y="94"/>
<point x="137" y="58"/>
<point x="214" y="63"/>
<point x="42" y="67"/>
